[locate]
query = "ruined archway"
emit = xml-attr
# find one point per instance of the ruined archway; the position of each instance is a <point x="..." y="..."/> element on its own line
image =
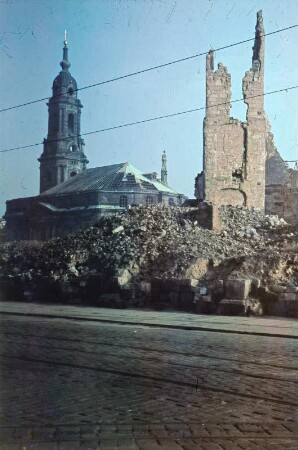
<point x="232" y="197"/>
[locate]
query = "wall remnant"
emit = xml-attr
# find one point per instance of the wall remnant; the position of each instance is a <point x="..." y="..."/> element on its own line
<point x="281" y="184"/>
<point x="234" y="151"/>
<point x="241" y="165"/>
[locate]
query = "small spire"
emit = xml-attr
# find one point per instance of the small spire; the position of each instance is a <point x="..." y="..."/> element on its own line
<point x="164" y="172"/>
<point x="65" y="64"/>
<point x="258" y="48"/>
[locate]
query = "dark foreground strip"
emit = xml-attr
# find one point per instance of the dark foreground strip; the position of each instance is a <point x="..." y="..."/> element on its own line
<point x="152" y="325"/>
<point x="179" y="432"/>
<point x="131" y="375"/>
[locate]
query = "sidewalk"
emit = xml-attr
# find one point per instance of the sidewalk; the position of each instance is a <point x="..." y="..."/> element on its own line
<point x="268" y="326"/>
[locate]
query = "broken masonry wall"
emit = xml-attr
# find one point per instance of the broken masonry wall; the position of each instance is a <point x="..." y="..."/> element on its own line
<point x="253" y="94"/>
<point x="282" y="201"/>
<point x="281" y="184"/>
<point x="223" y="140"/>
<point x="234" y="151"/>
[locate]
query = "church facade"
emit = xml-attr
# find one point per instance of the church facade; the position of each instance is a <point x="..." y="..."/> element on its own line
<point x="71" y="196"/>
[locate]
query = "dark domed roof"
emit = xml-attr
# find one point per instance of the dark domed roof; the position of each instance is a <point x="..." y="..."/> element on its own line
<point x="64" y="81"/>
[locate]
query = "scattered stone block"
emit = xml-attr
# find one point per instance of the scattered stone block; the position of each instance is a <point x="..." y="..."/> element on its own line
<point x="118" y="229"/>
<point x="291" y="289"/>
<point x="253" y="306"/>
<point x="202" y="290"/>
<point x="278" y="289"/>
<point x="145" y="287"/>
<point x="188" y="282"/>
<point x="237" y="289"/>
<point x="186" y="297"/>
<point x="287" y="296"/>
<point x="232" y="307"/>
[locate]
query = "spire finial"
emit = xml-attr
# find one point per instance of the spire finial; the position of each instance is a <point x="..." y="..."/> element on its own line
<point x="65" y="64"/>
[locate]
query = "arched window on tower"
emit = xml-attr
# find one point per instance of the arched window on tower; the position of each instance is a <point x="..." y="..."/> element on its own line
<point x="123" y="201"/>
<point x="54" y="121"/>
<point x="70" y="123"/>
<point x="72" y="148"/>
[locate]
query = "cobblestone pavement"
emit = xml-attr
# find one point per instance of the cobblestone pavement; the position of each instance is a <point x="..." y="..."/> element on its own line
<point x="244" y="325"/>
<point x="68" y="384"/>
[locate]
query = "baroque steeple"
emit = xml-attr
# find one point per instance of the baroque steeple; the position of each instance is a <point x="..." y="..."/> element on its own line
<point x="63" y="154"/>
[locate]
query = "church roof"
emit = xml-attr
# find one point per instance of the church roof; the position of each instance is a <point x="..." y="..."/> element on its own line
<point x="116" y="177"/>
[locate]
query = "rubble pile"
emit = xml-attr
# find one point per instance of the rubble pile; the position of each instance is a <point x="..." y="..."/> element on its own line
<point x="160" y="241"/>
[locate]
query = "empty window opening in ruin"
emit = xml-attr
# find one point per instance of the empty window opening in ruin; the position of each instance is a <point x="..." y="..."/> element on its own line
<point x="238" y="110"/>
<point x="238" y="174"/>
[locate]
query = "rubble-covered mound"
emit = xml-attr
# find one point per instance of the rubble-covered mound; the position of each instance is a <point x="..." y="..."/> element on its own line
<point x="160" y="241"/>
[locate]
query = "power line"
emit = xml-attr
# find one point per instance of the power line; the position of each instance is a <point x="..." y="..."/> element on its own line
<point x="148" y="69"/>
<point x="149" y="120"/>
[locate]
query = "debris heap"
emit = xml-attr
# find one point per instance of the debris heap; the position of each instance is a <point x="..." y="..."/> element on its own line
<point x="160" y="241"/>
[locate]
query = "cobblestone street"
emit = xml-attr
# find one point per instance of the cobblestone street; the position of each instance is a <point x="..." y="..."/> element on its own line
<point x="110" y="379"/>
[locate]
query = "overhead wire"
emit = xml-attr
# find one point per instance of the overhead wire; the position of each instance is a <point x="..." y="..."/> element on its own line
<point x="148" y="69"/>
<point x="150" y="119"/>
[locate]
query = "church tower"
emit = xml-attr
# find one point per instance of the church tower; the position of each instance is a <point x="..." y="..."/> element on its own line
<point x="63" y="151"/>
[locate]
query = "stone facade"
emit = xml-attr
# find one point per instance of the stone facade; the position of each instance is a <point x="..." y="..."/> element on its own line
<point x="234" y="151"/>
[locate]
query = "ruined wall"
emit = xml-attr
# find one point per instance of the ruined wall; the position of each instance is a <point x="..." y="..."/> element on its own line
<point x="281" y="184"/>
<point x="234" y="151"/>
<point x="240" y="158"/>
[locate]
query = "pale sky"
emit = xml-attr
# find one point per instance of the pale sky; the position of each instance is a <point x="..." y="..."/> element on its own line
<point x="112" y="38"/>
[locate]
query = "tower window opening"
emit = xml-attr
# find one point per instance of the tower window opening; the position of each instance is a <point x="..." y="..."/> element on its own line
<point x="70" y="123"/>
<point x="54" y="122"/>
<point x="123" y="201"/>
<point x="70" y="90"/>
<point x="72" y="148"/>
